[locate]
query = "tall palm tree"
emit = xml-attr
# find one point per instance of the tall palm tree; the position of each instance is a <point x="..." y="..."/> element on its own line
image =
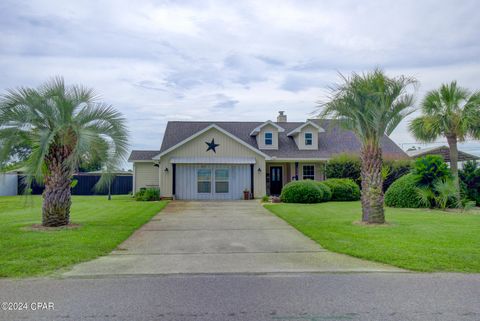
<point x="371" y="105"/>
<point x="61" y="124"/>
<point x="452" y="112"/>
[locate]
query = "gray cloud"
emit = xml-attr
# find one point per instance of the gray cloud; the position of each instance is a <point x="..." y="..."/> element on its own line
<point x="158" y="61"/>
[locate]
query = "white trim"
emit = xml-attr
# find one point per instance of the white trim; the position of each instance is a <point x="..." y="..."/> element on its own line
<point x="305" y="139"/>
<point x="299" y="129"/>
<point x="213" y="160"/>
<point x="133" y="183"/>
<point x="308" y="164"/>
<point x="255" y="131"/>
<point x="320" y="159"/>
<point x="265" y="139"/>
<point x="223" y="131"/>
<point x="142" y="161"/>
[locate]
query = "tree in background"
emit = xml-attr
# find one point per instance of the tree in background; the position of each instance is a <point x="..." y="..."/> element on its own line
<point x="452" y="112"/>
<point x="60" y="123"/>
<point x="371" y="105"/>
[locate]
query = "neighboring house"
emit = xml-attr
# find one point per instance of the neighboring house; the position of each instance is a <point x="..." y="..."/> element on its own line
<point x="443" y="151"/>
<point x="219" y="160"/>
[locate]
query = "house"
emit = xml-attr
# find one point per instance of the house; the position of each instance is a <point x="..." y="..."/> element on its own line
<point x="219" y="160"/>
<point x="443" y="151"/>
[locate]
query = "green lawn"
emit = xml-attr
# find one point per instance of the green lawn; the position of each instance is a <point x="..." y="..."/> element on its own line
<point x="104" y="224"/>
<point x="415" y="239"/>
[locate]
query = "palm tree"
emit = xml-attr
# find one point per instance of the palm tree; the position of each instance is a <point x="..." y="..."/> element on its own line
<point x="61" y="124"/>
<point x="371" y="105"/>
<point x="452" y="112"/>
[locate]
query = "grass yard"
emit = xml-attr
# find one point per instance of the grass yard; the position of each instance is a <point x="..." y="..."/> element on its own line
<point x="104" y="224"/>
<point x="415" y="239"/>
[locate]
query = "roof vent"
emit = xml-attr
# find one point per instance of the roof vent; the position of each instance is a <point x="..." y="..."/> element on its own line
<point x="281" y="118"/>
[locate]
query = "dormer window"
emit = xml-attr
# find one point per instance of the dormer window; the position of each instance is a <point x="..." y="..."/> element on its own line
<point x="308" y="139"/>
<point x="268" y="138"/>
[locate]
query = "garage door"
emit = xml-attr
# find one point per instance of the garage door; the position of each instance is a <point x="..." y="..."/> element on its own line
<point x="211" y="181"/>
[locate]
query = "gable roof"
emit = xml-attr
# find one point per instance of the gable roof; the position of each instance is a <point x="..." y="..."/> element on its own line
<point x="299" y="128"/>
<point x="443" y="151"/>
<point x="194" y="135"/>
<point x="257" y="129"/>
<point x="333" y="141"/>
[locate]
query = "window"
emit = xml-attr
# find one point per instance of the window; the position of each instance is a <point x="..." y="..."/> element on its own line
<point x="221" y="181"/>
<point x="204" y="180"/>
<point x="308" y="139"/>
<point x="308" y="172"/>
<point x="268" y="138"/>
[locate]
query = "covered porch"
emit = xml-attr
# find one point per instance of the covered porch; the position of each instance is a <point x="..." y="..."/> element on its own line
<point x="279" y="173"/>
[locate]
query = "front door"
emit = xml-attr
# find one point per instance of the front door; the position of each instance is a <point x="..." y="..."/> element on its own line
<point x="276" y="181"/>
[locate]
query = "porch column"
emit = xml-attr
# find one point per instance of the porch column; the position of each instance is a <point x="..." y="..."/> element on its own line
<point x="252" y="167"/>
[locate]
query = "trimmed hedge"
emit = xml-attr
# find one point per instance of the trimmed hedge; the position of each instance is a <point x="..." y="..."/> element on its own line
<point x="326" y="191"/>
<point x="344" y="166"/>
<point x="403" y="193"/>
<point x="343" y="189"/>
<point x="302" y="192"/>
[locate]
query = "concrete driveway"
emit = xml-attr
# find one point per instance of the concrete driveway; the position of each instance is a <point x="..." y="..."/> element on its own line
<point x="220" y="237"/>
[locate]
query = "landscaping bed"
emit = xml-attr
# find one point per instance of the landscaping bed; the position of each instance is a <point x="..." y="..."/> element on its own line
<point x="100" y="225"/>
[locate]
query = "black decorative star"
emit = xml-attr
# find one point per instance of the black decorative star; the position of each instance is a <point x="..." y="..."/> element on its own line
<point x="212" y="145"/>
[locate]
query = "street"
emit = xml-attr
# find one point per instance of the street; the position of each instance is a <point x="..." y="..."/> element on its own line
<point x="296" y="296"/>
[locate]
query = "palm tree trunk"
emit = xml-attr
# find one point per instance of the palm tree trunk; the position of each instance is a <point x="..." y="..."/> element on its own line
<point x="57" y="195"/>
<point x="452" y="144"/>
<point x="372" y="181"/>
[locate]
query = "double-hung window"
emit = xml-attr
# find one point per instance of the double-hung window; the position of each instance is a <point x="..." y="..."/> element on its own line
<point x="268" y="138"/>
<point x="221" y="180"/>
<point x="204" y="180"/>
<point x="308" y="172"/>
<point x="308" y="139"/>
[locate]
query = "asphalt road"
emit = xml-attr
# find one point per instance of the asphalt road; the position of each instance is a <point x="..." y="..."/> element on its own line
<point x="359" y="296"/>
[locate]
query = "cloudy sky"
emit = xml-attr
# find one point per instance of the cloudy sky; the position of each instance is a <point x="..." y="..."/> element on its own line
<point x="233" y="60"/>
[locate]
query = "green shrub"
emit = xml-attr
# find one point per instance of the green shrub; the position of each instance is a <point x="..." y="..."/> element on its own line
<point x="148" y="194"/>
<point x="470" y="180"/>
<point x="429" y="169"/>
<point x="343" y="189"/>
<point x="326" y="191"/>
<point x="265" y="199"/>
<point x="344" y="166"/>
<point x="403" y="193"/>
<point x="301" y="192"/>
<point x="442" y="195"/>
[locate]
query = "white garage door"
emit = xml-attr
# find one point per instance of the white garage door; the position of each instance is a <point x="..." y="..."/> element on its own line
<point x="211" y="181"/>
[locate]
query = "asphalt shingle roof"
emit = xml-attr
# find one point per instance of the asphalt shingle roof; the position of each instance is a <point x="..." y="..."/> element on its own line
<point x="333" y="141"/>
<point x="142" y="155"/>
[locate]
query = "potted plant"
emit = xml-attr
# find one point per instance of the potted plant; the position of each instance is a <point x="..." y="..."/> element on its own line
<point x="246" y="194"/>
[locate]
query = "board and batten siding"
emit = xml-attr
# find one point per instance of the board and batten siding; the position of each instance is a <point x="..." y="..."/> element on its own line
<point x="186" y="180"/>
<point x="145" y="175"/>
<point x="196" y="147"/>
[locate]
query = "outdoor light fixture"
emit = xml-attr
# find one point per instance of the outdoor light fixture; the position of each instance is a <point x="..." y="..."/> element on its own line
<point x="166" y="170"/>
<point x="259" y="170"/>
<point x="156" y="165"/>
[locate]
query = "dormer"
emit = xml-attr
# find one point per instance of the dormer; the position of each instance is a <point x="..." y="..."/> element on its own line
<point x="306" y="135"/>
<point x="267" y="135"/>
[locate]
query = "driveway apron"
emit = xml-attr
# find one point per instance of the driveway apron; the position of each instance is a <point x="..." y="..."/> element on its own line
<point x="220" y="237"/>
